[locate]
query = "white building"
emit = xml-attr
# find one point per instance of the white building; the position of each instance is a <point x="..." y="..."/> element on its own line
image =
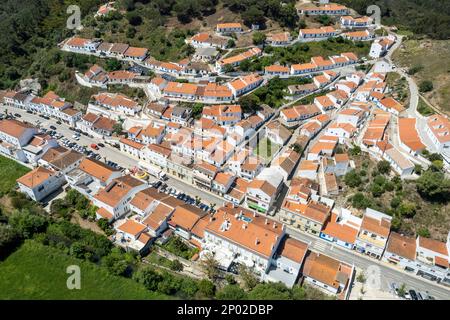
<point x="40" y="182"/>
<point x="374" y="233"/>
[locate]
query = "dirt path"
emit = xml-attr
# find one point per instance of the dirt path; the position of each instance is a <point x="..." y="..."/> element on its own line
<point x="85" y="224"/>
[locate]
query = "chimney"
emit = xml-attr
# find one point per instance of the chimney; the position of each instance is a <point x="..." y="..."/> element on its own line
<point x="244" y="226"/>
<point x="274" y="225"/>
<point x="254" y="214"/>
<point x="256" y="241"/>
<point x="266" y="221"/>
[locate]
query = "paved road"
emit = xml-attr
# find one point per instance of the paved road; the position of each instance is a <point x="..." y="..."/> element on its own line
<point x="388" y="272"/>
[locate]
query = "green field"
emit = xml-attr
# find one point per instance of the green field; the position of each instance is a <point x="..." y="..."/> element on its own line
<point x="36" y="271"/>
<point x="11" y="170"/>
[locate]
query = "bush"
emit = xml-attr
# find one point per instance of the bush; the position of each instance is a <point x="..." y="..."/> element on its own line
<point x="352" y="179"/>
<point x="176" y="265"/>
<point x="423" y="232"/>
<point x="206" y="288"/>
<point x="434" y="185"/>
<point x="231" y="292"/>
<point x="360" y="201"/>
<point x="425" y="86"/>
<point x="383" y="167"/>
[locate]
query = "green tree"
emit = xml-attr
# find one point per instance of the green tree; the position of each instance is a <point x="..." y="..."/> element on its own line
<point x="9" y="240"/>
<point x="27" y="224"/>
<point x="176" y="265"/>
<point x="376" y="190"/>
<point x="248" y="277"/>
<point x="352" y="179"/>
<point x="407" y="209"/>
<point x="113" y="65"/>
<point x="206" y="288"/>
<point x="297" y="148"/>
<point x="433" y="185"/>
<point x="383" y="167"/>
<point x="117" y="128"/>
<point x="269" y="291"/>
<point x="210" y="266"/>
<point x="258" y="38"/>
<point x="231" y="292"/>
<point x="58" y="206"/>
<point x="355" y="151"/>
<point x="148" y="277"/>
<point x="249" y="103"/>
<point x="197" y="109"/>
<point x="425" y="86"/>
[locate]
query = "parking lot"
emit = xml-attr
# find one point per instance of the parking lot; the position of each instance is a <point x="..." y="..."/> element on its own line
<point x="163" y="187"/>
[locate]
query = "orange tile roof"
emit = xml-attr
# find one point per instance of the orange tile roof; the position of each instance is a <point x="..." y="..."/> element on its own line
<point x="357" y="34"/>
<point x="402" y="246"/>
<point x="136" y="52"/>
<point x="326" y="270"/>
<point x="131" y="227"/>
<point x="104" y="213"/>
<point x="35" y="177"/>
<point x="186" y="216"/>
<point x="293" y="249"/>
<point x="229" y="25"/>
<point x="117" y="190"/>
<point x="433" y="245"/>
<point x="380" y="227"/>
<point x="260" y="235"/>
<point x="97" y="169"/>
<point x="158" y="216"/>
<point x="391" y="103"/>
<point x="277" y="68"/>
<point x="14" y="128"/>
<point x="408" y="134"/>
<point x="340" y="231"/>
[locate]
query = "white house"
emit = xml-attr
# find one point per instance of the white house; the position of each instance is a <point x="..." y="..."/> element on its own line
<point x="374" y="233"/>
<point x="40" y="182"/>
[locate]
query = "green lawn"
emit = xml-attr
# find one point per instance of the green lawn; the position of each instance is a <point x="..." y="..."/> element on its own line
<point x="266" y="149"/>
<point x="36" y="271"/>
<point x="10" y="171"/>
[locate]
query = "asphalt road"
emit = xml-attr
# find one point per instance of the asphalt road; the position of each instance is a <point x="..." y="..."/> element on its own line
<point x="388" y="273"/>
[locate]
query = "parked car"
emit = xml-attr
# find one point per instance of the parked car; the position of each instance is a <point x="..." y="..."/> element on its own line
<point x="58" y="122"/>
<point x="72" y="128"/>
<point x="53" y="127"/>
<point x="413" y="295"/>
<point x="157" y="184"/>
<point x="29" y="111"/>
<point x="94" y="146"/>
<point x="101" y="145"/>
<point x="84" y="133"/>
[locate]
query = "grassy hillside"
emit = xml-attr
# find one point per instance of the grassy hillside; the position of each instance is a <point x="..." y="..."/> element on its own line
<point x="11" y="170"/>
<point x="39" y="272"/>
<point x="428" y="60"/>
